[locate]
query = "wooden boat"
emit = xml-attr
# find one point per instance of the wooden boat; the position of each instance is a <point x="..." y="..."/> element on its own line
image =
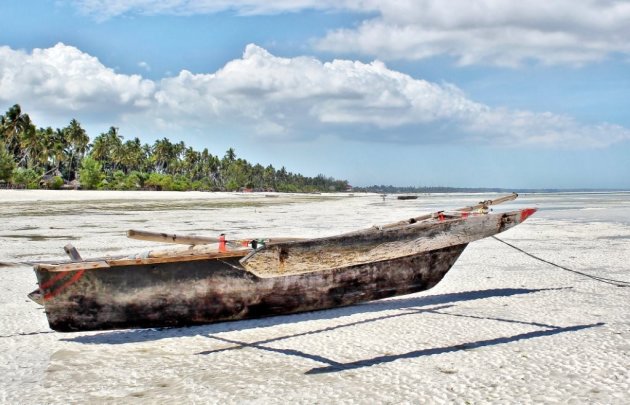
<point x="205" y="284"/>
<point x="407" y="197"/>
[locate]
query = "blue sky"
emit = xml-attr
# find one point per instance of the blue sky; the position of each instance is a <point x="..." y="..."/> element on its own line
<point x="469" y="93"/>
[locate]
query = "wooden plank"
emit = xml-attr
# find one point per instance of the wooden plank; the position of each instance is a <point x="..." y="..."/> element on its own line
<point x="73" y="266"/>
<point x="172" y="258"/>
<point x="177" y="258"/>
<point x="191" y="251"/>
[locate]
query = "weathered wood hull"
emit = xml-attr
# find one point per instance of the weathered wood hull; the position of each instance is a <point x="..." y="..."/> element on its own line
<point x="218" y="289"/>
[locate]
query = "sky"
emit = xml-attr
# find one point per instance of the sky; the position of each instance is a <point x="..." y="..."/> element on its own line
<point x="462" y="93"/>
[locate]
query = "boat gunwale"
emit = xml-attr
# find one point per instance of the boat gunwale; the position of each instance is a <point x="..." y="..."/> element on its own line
<point x="129" y="261"/>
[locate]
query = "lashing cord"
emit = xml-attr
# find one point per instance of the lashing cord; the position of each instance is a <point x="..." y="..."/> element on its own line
<point x="617" y="283"/>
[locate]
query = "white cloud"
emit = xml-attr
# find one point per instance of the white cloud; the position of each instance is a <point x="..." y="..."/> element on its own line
<point x="269" y="97"/>
<point x="500" y="32"/>
<point x="491" y="32"/>
<point x="64" y="79"/>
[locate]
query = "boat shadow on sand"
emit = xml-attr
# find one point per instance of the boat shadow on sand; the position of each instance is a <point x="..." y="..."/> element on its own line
<point x="433" y="304"/>
<point x="333" y="366"/>
<point x="411" y="303"/>
<point x="410" y="306"/>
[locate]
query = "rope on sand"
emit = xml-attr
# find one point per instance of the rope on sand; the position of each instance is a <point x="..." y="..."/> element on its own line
<point x="617" y="283"/>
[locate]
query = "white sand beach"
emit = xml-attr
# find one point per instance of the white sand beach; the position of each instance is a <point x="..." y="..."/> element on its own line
<point x="501" y="327"/>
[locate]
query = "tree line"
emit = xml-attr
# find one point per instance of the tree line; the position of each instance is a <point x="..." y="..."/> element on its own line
<point x="32" y="157"/>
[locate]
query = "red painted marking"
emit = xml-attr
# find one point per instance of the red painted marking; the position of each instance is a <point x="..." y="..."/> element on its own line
<point x="464" y="214"/>
<point x="65" y="285"/>
<point x="52" y="280"/>
<point x="527" y="212"/>
<point x="441" y="216"/>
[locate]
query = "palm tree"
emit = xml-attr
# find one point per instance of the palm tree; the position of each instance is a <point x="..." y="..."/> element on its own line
<point x="7" y="164"/>
<point x="107" y="149"/>
<point x="163" y="154"/>
<point x="230" y="155"/>
<point x="12" y="125"/>
<point x="226" y="163"/>
<point x="256" y="175"/>
<point x="100" y="149"/>
<point x="33" y="147"/>
<point x="78" y="141"/>
<point x="133" y="156"/>
<point x="190" y="163"/>
<point x="269" y="177"/>
<point x="146" y="158"/>
<point x="282" y="174"/>
<point x="57" y="149"/>
<point x="175" y="164"/>
<point x="115" y="146"/>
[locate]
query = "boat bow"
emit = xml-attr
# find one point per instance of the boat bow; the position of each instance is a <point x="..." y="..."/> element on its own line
<point x="378" y="244"/>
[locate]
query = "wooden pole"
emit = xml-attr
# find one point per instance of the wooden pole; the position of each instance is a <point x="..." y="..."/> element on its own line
<point x="482" y="204"/>
<point x="192" y="240"/>
<point x="170" y="238"/>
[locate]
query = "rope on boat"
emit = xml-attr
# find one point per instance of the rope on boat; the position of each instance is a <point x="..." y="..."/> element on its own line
<point x="231" y="265"/>
<point x="617" y="283"/>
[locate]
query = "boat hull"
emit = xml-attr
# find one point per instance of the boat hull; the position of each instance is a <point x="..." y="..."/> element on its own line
<point x="218" y="289"/>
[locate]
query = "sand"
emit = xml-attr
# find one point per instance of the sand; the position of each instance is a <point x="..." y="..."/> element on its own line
<point x="500" y="328"/>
